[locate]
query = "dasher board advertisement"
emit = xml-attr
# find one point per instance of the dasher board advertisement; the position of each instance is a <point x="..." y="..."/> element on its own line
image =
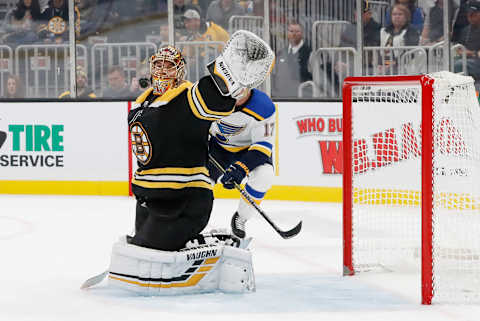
<point x="66" y="142"/>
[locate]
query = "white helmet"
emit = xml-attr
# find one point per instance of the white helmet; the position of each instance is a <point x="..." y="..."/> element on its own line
<point x="162" y="79"/>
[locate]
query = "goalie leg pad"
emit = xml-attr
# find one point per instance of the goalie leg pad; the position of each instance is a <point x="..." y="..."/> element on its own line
<point x="206" y="268"/>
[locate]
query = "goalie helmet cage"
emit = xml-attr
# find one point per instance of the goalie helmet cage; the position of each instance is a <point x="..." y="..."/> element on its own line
<point x="412" y="194"/>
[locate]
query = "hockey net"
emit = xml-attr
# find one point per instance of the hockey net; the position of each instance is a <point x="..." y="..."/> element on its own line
<point x="412" y="191"/>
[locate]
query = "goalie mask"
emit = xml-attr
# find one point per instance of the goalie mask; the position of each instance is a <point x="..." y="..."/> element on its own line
<point x="167" y="69"/>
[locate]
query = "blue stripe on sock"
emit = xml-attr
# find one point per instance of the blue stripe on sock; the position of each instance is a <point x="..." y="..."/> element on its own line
<point x="254" y="193"/>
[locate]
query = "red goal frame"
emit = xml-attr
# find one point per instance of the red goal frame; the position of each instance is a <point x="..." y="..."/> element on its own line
<point x="426" y="84"/>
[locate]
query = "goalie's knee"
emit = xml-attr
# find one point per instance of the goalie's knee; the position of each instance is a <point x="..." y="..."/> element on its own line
<point x="205" y="268"/>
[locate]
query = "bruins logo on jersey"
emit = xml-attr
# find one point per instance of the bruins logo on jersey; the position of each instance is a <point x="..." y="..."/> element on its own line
<point x="141" y="146"/>
<point x="57" y="25"/>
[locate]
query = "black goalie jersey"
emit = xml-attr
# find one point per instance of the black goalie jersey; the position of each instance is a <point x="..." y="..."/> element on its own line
<point x="169" y="136"/>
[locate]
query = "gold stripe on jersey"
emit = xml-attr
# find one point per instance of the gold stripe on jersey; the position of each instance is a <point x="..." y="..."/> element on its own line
<point x="195" y="102"/>
<point x="175" y="170"/>
<point x="205" y="107"/>
<point x="253" y="114"/>
<point x="233" y="149"/>
<point x="173" y="177"/>
<point x="140" y="99"/>
<point x="172" y="185"/>
<point x="261" y="149"/>
<point x="170" y="94"/>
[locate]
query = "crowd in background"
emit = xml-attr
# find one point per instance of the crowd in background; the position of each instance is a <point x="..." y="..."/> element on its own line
<point x="402" y="23"/>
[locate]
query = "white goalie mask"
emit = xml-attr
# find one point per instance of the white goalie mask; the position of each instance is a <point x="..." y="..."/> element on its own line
<point x="167" y="69"/>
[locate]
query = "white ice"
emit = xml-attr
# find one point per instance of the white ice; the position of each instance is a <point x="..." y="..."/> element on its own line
<point x="50" y="244"/>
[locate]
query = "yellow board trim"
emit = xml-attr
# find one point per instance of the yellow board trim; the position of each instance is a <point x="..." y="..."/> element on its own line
<point x="290" y="193"/>
<point x="172" y="185"/>
<point x="277" y="153"/>
<point x="110" y="188"/>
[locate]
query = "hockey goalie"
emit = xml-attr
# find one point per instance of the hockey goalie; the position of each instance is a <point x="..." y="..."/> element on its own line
<point x="169" y="126"/>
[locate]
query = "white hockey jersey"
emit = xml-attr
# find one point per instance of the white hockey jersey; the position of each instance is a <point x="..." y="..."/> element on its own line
<point x="251" y="128"/>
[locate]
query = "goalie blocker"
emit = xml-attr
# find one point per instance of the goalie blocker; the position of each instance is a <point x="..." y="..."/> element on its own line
<point x="199" y="269"/>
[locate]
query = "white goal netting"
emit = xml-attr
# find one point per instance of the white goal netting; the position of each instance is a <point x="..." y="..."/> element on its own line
<point x="387" y="181"/>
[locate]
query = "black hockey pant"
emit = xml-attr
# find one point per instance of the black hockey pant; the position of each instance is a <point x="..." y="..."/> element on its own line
<point x="168" y="223"/>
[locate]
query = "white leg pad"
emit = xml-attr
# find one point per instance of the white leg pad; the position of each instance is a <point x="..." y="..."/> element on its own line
<point x="206" y="268"/>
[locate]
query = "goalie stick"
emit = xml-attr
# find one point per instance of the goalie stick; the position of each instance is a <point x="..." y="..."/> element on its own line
<point x="94" y="280"/>
<point x="285" y="234"/>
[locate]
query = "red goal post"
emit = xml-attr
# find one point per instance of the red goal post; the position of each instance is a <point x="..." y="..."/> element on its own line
<point x="405" y="187"/>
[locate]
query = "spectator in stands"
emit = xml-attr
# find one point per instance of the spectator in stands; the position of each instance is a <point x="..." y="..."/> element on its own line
<point x="203" y="5"/>
<point x="179" y="9"/>
<point x="89" y="17"/>
<point x="117" y="85"/>
<point x="461" y="20"/>
<point x="199" y="55"/>
<point x="292" y="64"/>
<point x="220" y="12"/>
<point x="83" y="90"/>
<point x="54" y="28"/>
<point x="416" y="14"/>
<point x="13" y="88"/>
<point x="433" y="29"/>
<point x="371" y="30"/>
<point x="141" y="82"/>
<point x="371" y="38"/>
<point x="198" y="30"/>
<point x="399" y="33"/>
<point x="20" y="23"/>
<point x="470" y="38"/>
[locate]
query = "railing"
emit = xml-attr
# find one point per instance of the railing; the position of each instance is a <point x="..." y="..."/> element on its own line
<point x="253" y="24"/>
<point x="128" y="55"/>
<point x="6" y="65"/>
<point x="197" y="54"/>
<point x="330" y="66"/>
<point x="327" y="34"/>
<point x="46" y="68"/>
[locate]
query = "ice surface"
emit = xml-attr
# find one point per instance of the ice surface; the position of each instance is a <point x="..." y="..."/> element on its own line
<point x="49" y="245"/>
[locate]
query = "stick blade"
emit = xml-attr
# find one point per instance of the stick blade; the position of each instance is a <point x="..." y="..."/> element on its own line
<point x="94" y="280"/>
<point x="291" y="233"/>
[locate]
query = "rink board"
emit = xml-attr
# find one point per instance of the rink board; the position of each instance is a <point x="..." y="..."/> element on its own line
<point x="82" y="148"/>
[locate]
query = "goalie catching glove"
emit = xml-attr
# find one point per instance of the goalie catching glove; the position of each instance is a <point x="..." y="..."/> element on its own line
<point x="244" y="63"/>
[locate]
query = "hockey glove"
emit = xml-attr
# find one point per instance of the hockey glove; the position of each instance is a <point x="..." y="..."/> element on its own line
<point x="244" y="63"/>
<point x="235" y="173"/>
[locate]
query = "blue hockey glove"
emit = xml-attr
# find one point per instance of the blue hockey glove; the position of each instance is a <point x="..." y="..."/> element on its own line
<point x="235" y="173"/>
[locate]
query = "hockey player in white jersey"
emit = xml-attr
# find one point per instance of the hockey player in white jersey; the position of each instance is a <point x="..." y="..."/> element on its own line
<point x="243" y="143"/>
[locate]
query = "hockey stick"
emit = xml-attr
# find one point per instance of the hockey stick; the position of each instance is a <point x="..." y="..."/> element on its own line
<point x="285" y="234"/>
<point x="94" y="280"/>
